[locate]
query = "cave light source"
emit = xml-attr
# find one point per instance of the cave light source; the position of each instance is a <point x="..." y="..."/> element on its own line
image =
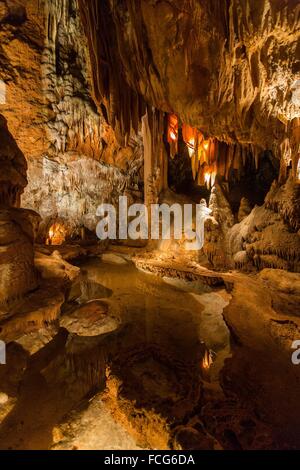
<point x="206" y="145"/>
<point x="202" y="152"/>
<point x="207" y="360"/>
<point x="191" y="147"/>
<point x="173" y="125"/>
<point x="173" y="135"/>
<point x="56" y="235"/>
<point x="207" y="179"/>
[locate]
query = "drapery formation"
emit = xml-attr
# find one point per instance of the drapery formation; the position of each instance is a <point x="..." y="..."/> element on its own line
<point x="211" y="157"/>
<point x="121" y="105"/>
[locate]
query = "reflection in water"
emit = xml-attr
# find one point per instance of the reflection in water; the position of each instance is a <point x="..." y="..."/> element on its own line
<point x="176" y="315"/>
<point x="158" y="357"/>
<point x="173" y="341"/>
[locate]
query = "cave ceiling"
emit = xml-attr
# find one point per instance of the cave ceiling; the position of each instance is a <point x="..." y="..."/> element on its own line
<point x="230" y="68"/>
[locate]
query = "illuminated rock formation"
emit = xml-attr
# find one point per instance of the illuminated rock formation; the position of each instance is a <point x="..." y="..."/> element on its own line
<point x="177" y="102"/>
<point x="269" y="236"/>
<point x="213" y="65"/>
<point x="216" y="228"/>
<point x="211" y="70"/>
<point x="48" y="104"/>
<point x="127" y="94"/>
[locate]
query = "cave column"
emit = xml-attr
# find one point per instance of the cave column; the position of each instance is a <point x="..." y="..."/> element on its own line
<point x="155" y="156"/>
<point x="148" y="160"/>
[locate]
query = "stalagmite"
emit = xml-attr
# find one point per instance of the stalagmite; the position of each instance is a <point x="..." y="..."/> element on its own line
<point x="244" y="209"/>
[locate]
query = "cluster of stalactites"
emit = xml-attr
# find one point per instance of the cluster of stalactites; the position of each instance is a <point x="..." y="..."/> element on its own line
<point x="211" y="157"/>
<point x="122" y="106"/>
<point x="203" y="152"/>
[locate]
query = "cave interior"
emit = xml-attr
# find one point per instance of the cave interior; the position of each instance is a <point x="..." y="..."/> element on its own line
<point x="140" y="342"/>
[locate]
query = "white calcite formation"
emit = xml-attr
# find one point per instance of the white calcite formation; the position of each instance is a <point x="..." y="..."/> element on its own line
<point x="267" y="238"/>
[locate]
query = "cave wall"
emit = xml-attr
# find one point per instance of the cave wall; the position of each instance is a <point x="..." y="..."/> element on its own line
<point x="78" y="185"/>
<point x="17" y="271"/>
<point x="50" y="111"/>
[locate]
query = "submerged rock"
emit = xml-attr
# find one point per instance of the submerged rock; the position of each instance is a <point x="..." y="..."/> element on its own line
<point x="113" y="259"/>
<point x="91" y="319"/>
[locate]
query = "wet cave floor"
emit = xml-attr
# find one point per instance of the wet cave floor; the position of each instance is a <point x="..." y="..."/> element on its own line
<point x="148" y="379"/>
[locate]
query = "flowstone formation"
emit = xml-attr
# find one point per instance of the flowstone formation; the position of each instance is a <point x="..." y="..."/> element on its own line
<point x="17" y="272"/>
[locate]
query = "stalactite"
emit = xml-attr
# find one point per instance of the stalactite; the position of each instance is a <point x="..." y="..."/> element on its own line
<point x="295" y="148"/>
<point x="190" y="137"/>
<point x="211" y="157"/>
<point x="173" y="134"/>
<point x="125" y="106"/>
<point x="153" y="124"/>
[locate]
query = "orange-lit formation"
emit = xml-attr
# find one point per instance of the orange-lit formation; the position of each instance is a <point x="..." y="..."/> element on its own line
<point x="173" y="134"/>
<point x="56" y="235"/>
<point x="207" y="360"/>
<point x="202" y="152"/>
<point x="203" y="155"/>
<point x="211" y="157"/>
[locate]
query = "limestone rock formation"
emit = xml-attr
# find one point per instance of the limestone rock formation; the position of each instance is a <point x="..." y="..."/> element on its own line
<point x="17" y="272"/>
<point x="211" y="67"/>
<point x="92" y="429"/>
<point x="269" y="236"/>
<point x="266" y="237"/>
<point x="92" y="319"/>
<point x="216" y="228"/>
<point x="133" y="97"/>
<point x="54" y="267"/>
<point x="13" y="168"/>
<point x="244" y="209"/>
<point x="68" y="189"/>
<point x="44" y="69"/>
